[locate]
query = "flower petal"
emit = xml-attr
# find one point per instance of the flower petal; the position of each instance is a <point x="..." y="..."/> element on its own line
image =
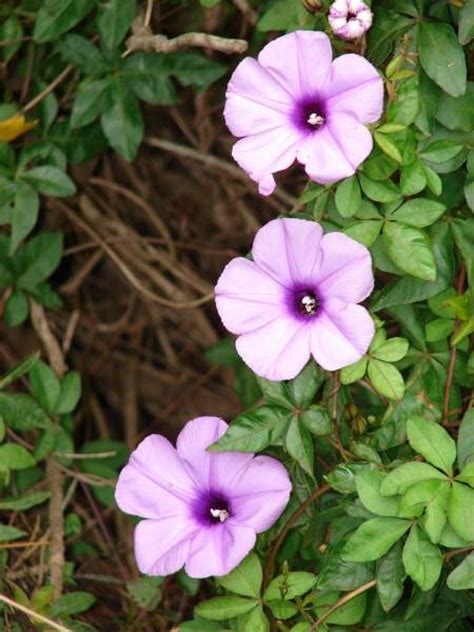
<point x="247" y="297"/>
<point x="212" y="471"/>
<point x="260" y="493"/>
<point x="336" y="150"/>
<point x="345" y="271"/>
<point x="162" y="546"/>
<point x="278" y="350"/>
<point x="288" y="250"/>
<point x="299" y="61"/>
<point x="265" y="153"/>
<point x="341" y="334"/>
<point x="355" y="87"/>
<point x="255" y="102"/>
<point x="219" y="549"/>
<point x="154" y="483"/>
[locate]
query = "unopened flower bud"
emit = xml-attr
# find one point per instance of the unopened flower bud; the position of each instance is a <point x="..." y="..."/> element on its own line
<point x="349" y="19"/>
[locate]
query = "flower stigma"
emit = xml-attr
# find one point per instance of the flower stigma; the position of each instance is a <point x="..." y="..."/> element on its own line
<point x="220" y="515"/>
<point x="315" y="119"/>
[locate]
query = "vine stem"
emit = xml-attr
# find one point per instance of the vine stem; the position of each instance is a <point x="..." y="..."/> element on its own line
<point x="342" y="601"/>
<point x="320" y="491"/>
<point x="33" y="615"/>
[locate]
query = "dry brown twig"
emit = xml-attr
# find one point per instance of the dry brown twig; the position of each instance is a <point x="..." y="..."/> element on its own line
<point x="143" y="39"/>
<point x="54" y="475"/>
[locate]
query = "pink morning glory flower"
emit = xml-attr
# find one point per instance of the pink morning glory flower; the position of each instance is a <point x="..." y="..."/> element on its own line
<point x="294" y="102"/>
<point x="202" y="510"/>
<point x="297" y="298"/>
<point x="349" y="19"/>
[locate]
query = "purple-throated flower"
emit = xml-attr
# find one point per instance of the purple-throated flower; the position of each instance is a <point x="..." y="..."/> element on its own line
<point x="297" y="298"/>
<point x="349" y="19"/>
<point x="294" y="102"/>
<point x="202" y="510"/>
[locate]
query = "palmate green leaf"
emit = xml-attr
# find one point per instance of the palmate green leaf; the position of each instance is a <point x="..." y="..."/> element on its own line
<point x="299" y="443"/>
<point x="462" y="578"/>
<point x="365" y="232"/>
<point x="433" y="442"/>
<point x="388" y="146"/>
<point x="432" y="497"/>
<point x="466" y="439"/>
<point x="21" y="412"/>
<point x="457" y="112"/>
<point x="15" y="457"/>
<point x="222" y="608"/>
<point x="80" y="52"/>
<point x="390" y="577"/>
<point x="282" y="609"/>
<point x="55" y="17"/>
<point x="348" y="197"/>
<point x="254" y="430"/>
<point x="422" y="559"/>
<point x="38" y="259"/>
<point x="410" y="249"/>
<point x="440" y="151"/>
<point x="413" y="178"/>
<point x="122" y="122"/>
<point x="347" y="615"/>
<point x="402" y="477"/>
<point x="317" y="420"/>
<point x="194" y="69"/>
<point x="385" y="191"/>
<point x="290" y="585"/>
<point x="374" y="538"/>
<point x="25" y="214"/>
<point x="368" y="485"/>
<point x="405" y="107"/>
<point x="148" y="76"/>
<point x="256" y="620"/>
<point x="303" y="388"/>
<point x="419" y="212"/>
<point x="439" y="329"/>
<point x="386" y="379"/>
<point x="353" y="372"/>
<point x="391" y="350"/>
<point x="50" y="181"/>
<point x="93" y="96"/>
<point x="337" y="574"/>
<point x="461" y="511"/>
<point x="246" y="579"/>
<point x="114" y="19"/>
<point x="442" y="57"/>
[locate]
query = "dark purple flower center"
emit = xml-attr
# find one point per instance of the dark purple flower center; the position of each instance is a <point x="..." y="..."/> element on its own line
<point x="306" y="303"/>
<point x="310" y="114"/>
<point x="212" y="508"/>
<point x="351" y="15"/>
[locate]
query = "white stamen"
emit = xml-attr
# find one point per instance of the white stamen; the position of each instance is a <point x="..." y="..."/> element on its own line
<point x="222" y="514"/>
<point x="315" y="119"/>
<point x="309" y="304"/>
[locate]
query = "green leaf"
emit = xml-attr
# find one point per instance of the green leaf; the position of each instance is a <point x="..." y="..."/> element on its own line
<point x="401" y="478"/>
<point x="385" y="191"/>
<point x="422" y="559"/>
<point x="388" y="146"/>
<point x="80" y="52"/>
<point x="467" y="474"/>
<point x="368" y="483"/>
<point x="113" y="21"/>
<point x="457" y="112"/>
<point x="145" y="591"/>
<point x="16" y="308"/>
<point x="290" y="585"/>
<point x="365" y="232"/>
<point x="317" y="420"/>
<point x="253" y="430"/>
<point x="404" y="109"/>
<point x="354" y="372"/>
<point x="55" y="17"/>
<point x="21" y="412"/>
<point x="430" y="496"/>
<point x="442" y="57"/>
<point x="347" y="615"/>
<point x="24" y="502"/>
<point x="336" y="574"/>
<point x="148" y="76"/>
<point x="38" y="259"/>
<point x="7" y="533"/>
<point x="255" y="620"/>
<point x="348" y="197"/>
<point x="433" y="442"/>
<point x="92" y="97"/>
<point x="25" y="214"/>
<point x="123" y="122"/>
<point x="390" y="577"/>
<point x="299" y="443"/>
<point x="391" y="350"/>
<point x="374" y="538"/>
<point x="441" y="151"/>
<point x="466" y="439"/>
<point x="72" y="603"/>
<point x="419" y="212"/>
<point x="461" y="511"/>
<point x="439" y="329"/>
<point x="413" y="178"/>
<point x="386" y="379"/>
<point x="18" y="370"/>
<point x="466" y="23"/>
<point x="70" y="393"/>
<point x="15" y="457"/>
<point x="222" y="608"/>
<point x="50" y="181"/>
<point x="11" y="31"/>
<point x="306" y="384"/>
<point x="410" y="249"/>
<point x="462" y="578"/>
<point x="193" y="69"/>
<point x="246" y="579"/>
<point x="45" y="385"/>
<point x="282" y="609"/>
